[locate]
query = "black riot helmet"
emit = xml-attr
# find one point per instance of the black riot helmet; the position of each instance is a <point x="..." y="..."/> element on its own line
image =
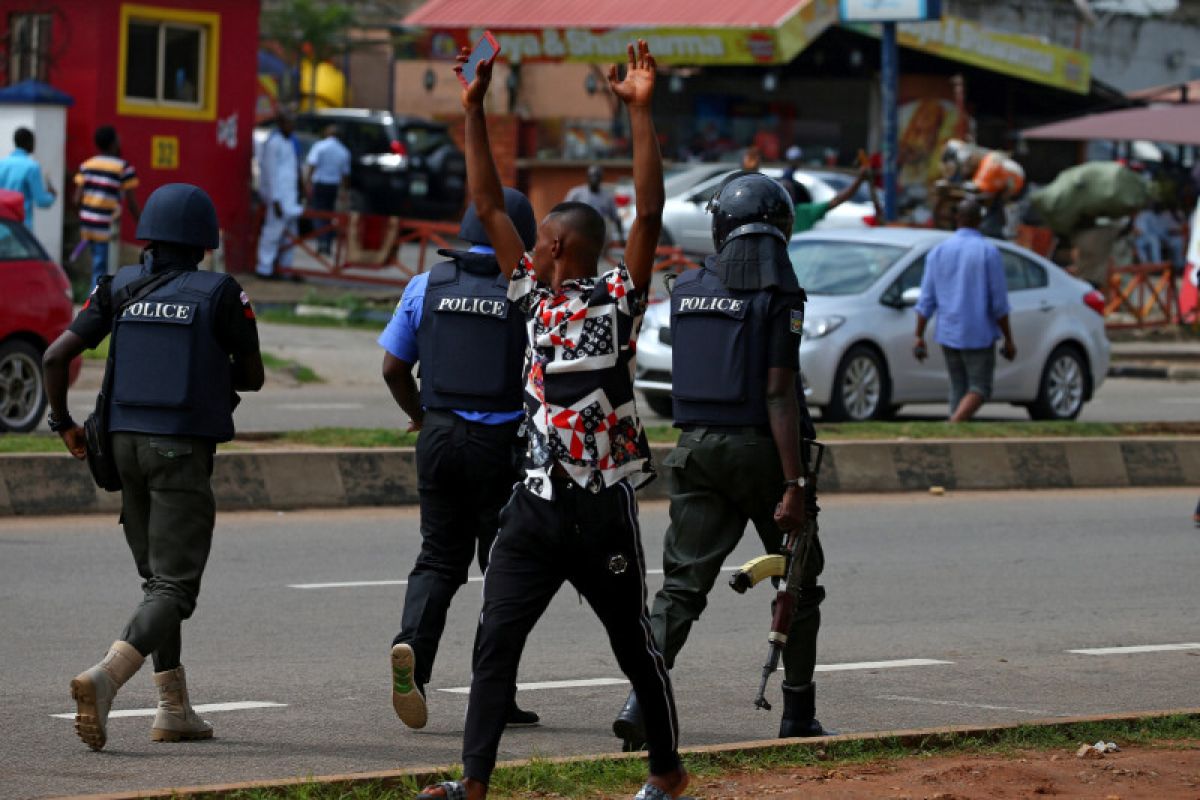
<point x="180" y="213"/>
<point x="517" y="206"/>
<point x="750" y="203"/>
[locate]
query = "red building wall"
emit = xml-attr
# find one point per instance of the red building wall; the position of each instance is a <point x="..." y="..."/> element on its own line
<point x="85" y="63"/>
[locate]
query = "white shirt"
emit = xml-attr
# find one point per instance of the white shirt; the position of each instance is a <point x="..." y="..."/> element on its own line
<point x="278" y="171"/>
<point x="330" y="161"/>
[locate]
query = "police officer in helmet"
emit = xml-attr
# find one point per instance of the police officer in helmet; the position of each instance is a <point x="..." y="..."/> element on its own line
<point x="738" y="458"/>
<point x="184" y="341"/>
<point x="457" y="321"/>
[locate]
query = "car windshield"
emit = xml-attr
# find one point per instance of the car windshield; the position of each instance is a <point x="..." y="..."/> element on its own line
<point x="828" y="267"/>
<point x="16" y="244"/>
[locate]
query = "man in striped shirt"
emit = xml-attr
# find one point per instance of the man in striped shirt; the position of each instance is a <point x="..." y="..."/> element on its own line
<point x="101" y="183"/>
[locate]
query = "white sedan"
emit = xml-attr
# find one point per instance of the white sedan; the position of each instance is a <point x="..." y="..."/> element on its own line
<point x="687" y="223"/>
<point x="856" y="353"/>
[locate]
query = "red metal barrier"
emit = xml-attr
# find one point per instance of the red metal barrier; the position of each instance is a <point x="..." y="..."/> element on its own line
<point x="368" y="248"/>
<point x="1140" y="296"/>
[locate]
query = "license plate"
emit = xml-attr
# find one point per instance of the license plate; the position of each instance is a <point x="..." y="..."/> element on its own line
<point x="418" y="186"/>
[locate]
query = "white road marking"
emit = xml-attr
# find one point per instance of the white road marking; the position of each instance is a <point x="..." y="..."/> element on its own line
<point x="319" y="406"/>
<point x="203" y="708"/>
<point x="528" y="687"/>
<point x="903" y="662"/>
<point x="472" y="579"/>
<point x="1137" y="648"/>
<point x="960" y="704"/>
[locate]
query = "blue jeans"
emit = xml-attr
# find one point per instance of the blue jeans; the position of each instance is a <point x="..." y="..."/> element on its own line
<point x="99" y="261"/>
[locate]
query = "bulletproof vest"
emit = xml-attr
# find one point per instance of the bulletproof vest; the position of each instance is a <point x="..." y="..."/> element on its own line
<point x="471" y="339"/>
<point x="719" y="352"/>
<point x="171" y="375"/>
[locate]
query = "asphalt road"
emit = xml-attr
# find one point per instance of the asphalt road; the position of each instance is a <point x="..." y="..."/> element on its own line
<point x="353" y="393"/>
<point x="991" y="591"/>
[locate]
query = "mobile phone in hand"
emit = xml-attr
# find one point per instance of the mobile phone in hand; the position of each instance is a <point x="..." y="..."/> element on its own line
<point x="486" y="50"/>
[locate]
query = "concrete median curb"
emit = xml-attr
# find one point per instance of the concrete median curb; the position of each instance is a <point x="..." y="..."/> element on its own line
<point x="909" y="737"/>
<point x="41" y="484"/>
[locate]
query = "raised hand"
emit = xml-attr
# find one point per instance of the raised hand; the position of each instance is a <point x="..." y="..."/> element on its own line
<point x="638" y="86"/>
<point x="473" y="95"/>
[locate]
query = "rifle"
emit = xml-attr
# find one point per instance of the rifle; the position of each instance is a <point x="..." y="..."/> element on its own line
<point x="785" y="569"/>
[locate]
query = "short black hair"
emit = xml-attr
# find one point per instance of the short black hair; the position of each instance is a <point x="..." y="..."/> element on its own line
<point x="23" y="138"/>
<point x="586" y="221"/>
<point x="105" y="137"/>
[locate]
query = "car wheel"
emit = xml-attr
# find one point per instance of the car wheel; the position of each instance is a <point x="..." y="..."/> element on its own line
<point x="1062" y="387"/>
<point x="22" y="392"/>
<point x="660" y="404"/>
<point x="860" y="387"/>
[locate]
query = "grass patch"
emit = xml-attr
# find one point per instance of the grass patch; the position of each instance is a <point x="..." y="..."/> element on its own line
<point x="289" y="317"/>
<point x="100" y="353"/>
<point x="300" y="372"/>
<point x="348" y="437"/>
<point x="31" y="443"/>
<point x="622" y="777"/>
<point x="664" y="434"/>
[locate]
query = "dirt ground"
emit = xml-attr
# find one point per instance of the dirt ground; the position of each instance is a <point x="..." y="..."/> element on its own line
<point x="1170" y="770"/>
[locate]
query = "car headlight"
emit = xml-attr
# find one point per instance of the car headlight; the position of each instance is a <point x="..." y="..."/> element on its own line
<point x="817" y="327"/>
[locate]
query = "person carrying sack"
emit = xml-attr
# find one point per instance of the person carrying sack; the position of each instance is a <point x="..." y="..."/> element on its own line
<point x="184" y="341"/>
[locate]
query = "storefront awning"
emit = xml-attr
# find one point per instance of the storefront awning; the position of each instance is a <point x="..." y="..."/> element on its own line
<point x="679" y="31"/>
<point x="1015" y="54"/>
<point x="1178" y="124"/>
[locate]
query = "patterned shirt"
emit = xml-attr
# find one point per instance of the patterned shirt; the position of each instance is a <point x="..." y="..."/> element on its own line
<point x="103" y="178"/>
<point x="579" y="406"/>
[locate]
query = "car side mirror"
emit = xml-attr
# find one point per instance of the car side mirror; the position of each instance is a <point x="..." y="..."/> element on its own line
<point x="910" y="297"/>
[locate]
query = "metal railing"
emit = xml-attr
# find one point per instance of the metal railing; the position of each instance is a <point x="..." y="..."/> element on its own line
<point x="384" y="250"/>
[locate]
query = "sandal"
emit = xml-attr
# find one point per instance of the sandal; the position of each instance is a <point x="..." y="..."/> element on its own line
<point x="451" y="790"/>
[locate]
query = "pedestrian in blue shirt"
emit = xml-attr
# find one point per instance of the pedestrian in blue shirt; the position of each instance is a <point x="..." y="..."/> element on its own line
<point x="21" y="173"/>
<point x="457" y="321"/>
<point x="327" y="171"/>
<point x="964" y="285"/>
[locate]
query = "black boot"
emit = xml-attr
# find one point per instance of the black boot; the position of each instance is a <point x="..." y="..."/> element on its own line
<point x="518" y="718"/>
<point x="629" y="727"/>
<point x="799" y="713"/>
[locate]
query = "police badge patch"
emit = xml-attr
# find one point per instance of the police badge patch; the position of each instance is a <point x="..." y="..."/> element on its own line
<point x="797" y="321"/>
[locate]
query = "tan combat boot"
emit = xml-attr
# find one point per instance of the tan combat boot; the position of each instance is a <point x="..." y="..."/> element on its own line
<point x="175" y="720"/>
<point x="94" y="690"/>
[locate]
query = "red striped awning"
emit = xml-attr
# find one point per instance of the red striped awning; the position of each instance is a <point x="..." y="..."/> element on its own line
<point x="609" y="14"/>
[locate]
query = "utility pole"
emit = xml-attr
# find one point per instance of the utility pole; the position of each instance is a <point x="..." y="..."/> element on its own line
<point x="890" y="90"/>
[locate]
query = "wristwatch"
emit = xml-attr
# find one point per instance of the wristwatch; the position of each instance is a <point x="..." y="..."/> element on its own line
<point x="799" y="483"/>
<point x="59" y="425"/>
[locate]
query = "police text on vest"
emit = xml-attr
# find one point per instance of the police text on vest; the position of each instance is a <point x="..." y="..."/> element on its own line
<point x="711" y="304"/>
<point x="474" y="305"/>
<point x="167" y="312"/>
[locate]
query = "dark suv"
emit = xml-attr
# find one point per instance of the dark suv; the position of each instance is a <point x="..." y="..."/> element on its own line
<point x="404" y="166"/>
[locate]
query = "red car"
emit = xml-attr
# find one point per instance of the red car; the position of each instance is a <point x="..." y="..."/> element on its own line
<point x="35" y="307"/>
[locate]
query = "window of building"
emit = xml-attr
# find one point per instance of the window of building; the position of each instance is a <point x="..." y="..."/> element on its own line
<point x="28" y="47"/>
<point x="168" y="62"/>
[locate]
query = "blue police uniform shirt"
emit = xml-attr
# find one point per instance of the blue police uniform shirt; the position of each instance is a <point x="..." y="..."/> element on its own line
<point x="400" y="339"/>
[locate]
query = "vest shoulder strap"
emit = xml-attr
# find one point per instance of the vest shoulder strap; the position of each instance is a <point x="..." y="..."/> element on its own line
<point x="442" y="273"/>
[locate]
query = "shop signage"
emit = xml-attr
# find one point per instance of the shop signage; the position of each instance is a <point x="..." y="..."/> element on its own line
<point x="1013" y="54"/>
<point x="889" y="10"/>
<point x="686" y="46"/>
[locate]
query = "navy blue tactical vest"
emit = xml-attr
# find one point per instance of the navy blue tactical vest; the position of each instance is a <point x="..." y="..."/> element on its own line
<point x="471" y="340"/>
<point x="719" y="352"/>
<point x="171" y="375"/>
